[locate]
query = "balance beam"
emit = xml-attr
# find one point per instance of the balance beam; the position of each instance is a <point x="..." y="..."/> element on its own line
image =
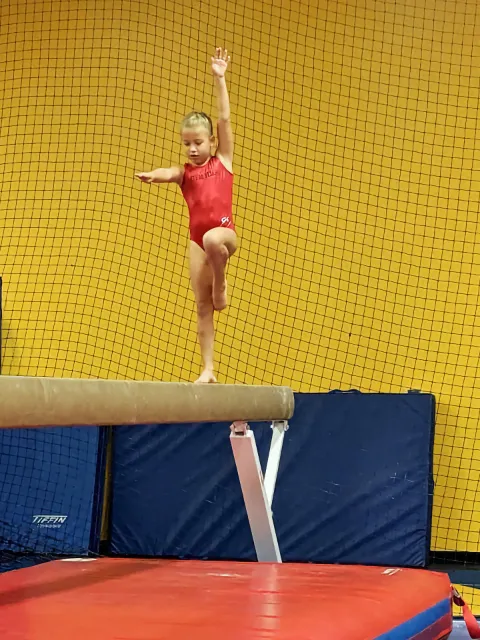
<point x="49" y="402"/>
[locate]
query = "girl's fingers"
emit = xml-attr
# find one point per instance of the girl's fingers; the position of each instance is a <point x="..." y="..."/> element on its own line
<point x="221" y="54"/>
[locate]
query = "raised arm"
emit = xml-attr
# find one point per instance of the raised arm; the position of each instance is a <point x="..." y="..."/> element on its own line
<point x="224" y="128"/>
<point x="157" y="176"/>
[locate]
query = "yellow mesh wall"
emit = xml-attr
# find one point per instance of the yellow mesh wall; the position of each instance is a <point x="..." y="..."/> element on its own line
<point x="356" y="198"/>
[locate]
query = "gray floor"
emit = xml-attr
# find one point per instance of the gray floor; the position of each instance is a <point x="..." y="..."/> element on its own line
<point x="459" y="631"/>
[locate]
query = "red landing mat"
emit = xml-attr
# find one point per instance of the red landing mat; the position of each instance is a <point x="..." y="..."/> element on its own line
<point x="125" y="599"/>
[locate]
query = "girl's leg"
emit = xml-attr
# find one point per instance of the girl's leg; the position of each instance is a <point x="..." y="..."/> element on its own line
<point x="201" y="279"/>
<point x="219" y="243"/>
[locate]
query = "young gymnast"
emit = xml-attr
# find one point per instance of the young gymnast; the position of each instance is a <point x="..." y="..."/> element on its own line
<point x="206" y="182"/>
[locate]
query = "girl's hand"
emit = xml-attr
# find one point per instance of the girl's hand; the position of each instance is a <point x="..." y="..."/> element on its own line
<point x="220" y="62"/>
<point x="145" y="177"/>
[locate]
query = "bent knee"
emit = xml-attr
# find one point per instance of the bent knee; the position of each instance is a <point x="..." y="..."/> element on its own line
<point x="215" y="250"/>
<point x="220" y="241"/>
<point x="211" y="243"/>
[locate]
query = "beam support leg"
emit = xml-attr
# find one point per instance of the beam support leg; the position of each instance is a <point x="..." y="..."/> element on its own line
<point x="257" y="491"/>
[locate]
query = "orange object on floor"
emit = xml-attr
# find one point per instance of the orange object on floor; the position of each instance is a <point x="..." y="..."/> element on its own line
<point x="130" y="599"/>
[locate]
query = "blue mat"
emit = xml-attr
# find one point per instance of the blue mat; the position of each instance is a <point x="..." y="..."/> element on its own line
<point x="51" y="482"/>
<point x="354" y="485"/>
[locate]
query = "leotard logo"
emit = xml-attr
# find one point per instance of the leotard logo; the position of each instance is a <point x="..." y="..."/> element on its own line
<point x="203" y="176"/>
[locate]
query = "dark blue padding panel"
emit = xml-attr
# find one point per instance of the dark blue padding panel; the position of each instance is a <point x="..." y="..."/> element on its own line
<point x="51" y="483"/>
<point x="354" y="484"/>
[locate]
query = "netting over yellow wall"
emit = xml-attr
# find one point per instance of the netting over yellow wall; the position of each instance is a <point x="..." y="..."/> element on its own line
<point x="356" y="199"/>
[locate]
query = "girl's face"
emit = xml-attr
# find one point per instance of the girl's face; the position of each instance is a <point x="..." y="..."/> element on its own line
<point x="198" y="145"/>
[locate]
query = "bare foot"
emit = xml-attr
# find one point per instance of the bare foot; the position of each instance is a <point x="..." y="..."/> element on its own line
<point x="219" y="295"/>
<point x="205" y="377"/>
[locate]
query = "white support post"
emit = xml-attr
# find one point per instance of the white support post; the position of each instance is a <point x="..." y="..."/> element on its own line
<point x="278" y="432"/>
<point x="257" y="492"/>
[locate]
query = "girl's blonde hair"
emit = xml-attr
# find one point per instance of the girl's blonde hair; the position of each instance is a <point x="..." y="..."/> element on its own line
<point x="197" y="119"/>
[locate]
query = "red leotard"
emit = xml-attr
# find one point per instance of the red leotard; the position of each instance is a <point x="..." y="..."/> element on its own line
<point x="208" y="193"/>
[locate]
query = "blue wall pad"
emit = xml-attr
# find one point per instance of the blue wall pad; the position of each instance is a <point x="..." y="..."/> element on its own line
<point x="354" y="484"/>
<point x="51" y="482"/>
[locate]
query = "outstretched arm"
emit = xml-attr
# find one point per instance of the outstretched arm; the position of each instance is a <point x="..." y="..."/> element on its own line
<point x="157" y="176"/>
<point x="224" y="128"/>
